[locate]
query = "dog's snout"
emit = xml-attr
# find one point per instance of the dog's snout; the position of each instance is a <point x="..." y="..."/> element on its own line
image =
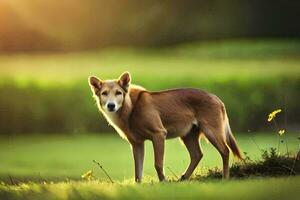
<point x="111" y="106"/>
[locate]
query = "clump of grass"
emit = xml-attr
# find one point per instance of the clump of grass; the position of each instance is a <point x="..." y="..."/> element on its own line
<point x="272" y="164"/>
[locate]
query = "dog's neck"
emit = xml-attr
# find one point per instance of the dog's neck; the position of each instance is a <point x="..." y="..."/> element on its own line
<point x="123" y="114"/>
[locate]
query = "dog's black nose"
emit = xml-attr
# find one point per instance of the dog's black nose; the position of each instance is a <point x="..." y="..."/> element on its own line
<point x="111" y="106"/>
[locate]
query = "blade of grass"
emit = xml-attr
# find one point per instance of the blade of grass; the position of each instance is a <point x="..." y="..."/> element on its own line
<point x="101" y="167"/>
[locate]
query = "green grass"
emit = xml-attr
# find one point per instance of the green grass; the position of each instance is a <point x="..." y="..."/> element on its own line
<point x="268" y="188"/>
<point x="59" y="157"/>
<point x="35" y="161"/>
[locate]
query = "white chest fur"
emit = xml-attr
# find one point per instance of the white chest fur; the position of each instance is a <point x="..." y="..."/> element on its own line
<point x="113" y="120"/>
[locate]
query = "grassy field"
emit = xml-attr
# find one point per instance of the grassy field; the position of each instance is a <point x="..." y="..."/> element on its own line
<point x="268" y="188"/>
<point x="60" y="157"/>
<point x="38" y="161"/>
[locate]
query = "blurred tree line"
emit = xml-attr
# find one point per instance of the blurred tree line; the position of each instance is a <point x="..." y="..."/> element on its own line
<point x="71" y="109"/>
<point x="84" y="24"/>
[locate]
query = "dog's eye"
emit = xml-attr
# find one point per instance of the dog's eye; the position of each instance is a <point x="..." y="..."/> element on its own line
<point x="118" y="93"/>
<point x="104" y="93"/>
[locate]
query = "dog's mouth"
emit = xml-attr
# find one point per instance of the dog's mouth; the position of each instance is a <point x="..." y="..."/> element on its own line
<point x="111" y="110"/>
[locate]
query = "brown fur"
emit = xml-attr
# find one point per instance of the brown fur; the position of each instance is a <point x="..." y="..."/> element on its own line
<point x="156" y="116"/>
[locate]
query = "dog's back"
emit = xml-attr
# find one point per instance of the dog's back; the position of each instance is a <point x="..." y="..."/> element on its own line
<point x="180" y="109"/>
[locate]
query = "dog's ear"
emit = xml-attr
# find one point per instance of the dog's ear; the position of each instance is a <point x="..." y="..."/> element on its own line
<point x="95" y="84"/>
<point x="124" y="80"/>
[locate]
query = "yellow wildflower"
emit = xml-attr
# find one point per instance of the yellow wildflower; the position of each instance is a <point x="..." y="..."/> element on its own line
<point x="87" y="175"/>
<point x="281" y="132"/>
<point x="273" y="114"/>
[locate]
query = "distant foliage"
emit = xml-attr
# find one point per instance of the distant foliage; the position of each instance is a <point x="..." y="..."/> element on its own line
<point x="71" y="109"/>
<point x="99" y="23"/>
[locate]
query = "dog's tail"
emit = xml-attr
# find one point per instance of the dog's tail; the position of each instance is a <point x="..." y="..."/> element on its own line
<point x="231" y="142"/>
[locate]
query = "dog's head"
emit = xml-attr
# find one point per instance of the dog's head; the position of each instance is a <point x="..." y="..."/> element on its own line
<point x="110" y="94"/>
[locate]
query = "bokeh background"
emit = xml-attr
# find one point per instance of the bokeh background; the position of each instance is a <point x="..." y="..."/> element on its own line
<point x="246" y="52"/>
<point x="65" y="25"/>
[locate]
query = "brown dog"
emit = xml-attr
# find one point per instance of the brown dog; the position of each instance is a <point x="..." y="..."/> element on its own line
<point x="138" y="115"/>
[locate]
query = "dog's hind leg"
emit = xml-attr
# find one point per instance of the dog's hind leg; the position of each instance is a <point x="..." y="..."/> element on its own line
<point x="216" y="135"/>
<point x="191" y="141"/>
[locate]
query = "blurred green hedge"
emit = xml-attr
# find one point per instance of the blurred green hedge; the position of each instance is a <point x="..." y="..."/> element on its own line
<point x="32" y="108"/>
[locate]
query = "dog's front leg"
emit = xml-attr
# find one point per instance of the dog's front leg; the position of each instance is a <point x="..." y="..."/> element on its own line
<point x="138" y="155"/>
<point x="159" y="148"/>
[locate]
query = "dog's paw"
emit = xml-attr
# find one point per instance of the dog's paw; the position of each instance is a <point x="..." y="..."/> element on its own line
<point x="182" y="178"/>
